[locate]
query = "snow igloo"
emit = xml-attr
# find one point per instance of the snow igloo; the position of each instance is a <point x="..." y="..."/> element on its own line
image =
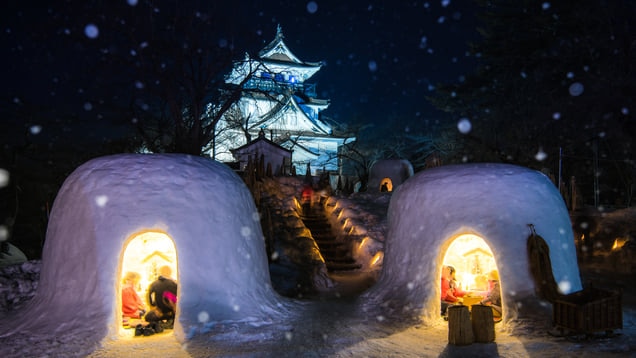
<point x="388" y="174"/>
<point x="475" y="217"/>
<point x="199" y="214"/>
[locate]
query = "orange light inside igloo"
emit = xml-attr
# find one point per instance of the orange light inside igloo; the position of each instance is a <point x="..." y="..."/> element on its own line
<point x="145" y="253"/>
<point x="386" y="185"/>
<point x="472" y="259"/>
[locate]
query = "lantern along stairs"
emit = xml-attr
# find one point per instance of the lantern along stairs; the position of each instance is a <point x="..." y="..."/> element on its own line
<point x="337" y="253"/>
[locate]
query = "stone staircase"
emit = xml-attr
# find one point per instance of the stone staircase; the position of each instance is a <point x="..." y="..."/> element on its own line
<point x="337" y="253"/>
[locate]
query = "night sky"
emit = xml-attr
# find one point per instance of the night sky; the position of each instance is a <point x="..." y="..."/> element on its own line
<point x="381" y="57"/>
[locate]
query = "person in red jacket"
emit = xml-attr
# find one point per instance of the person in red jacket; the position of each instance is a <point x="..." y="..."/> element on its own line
<point x="132" y="307"/>
<point x="451" y="294"/>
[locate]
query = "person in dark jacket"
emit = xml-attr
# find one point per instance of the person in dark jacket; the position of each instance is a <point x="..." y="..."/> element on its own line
<point x="162" y="297"/>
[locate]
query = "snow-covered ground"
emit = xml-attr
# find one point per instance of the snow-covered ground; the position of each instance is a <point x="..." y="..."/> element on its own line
<point x="336" y="325"/>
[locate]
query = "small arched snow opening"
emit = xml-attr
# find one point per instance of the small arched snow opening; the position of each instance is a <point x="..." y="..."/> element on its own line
<point x="395" y="171"/>
<point x="145" y="253"/>
<point x="473" y="261"/>
<point x="386" y="185"/>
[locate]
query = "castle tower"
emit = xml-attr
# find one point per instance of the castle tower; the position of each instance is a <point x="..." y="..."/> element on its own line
<point x="277" y="100"/>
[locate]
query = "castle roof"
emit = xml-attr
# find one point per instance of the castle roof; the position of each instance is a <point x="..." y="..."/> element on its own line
<point x="277" y="50"/>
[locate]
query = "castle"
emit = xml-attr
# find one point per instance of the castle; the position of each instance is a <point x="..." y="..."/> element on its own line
<point x="278" y="102"/>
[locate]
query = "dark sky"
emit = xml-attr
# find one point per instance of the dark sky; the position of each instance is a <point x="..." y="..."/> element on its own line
<point x="382" y="57"/>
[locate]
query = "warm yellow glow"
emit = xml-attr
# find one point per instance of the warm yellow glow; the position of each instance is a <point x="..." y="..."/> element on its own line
<point x="377" y="259"/>
<point x="472" y="259"/>
<point x="388" y="183"/>
<point x="618" y="243"/>
<point x="145" y="253"/>
<point x="363" y="243"/>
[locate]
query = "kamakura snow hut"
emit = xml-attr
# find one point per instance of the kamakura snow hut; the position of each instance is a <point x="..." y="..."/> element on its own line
<point x="494" y="202"/>
<point x="200" y="205"/>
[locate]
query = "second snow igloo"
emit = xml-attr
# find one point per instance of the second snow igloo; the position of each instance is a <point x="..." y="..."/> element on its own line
<point x="388" y="174"/>
<point x="203" y="209"/>
<point x="494" y="203"/>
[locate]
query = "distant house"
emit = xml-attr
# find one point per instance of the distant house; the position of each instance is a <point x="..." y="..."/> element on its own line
<point x="277" y="157"/>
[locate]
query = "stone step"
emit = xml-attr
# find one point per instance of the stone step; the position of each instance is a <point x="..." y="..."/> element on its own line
<point x="319" y="236"/>
<point x="320" y="231"/>
<point x="337" y="266"/>
<point x="337" y="254"/>
<point x="330" y="243"/>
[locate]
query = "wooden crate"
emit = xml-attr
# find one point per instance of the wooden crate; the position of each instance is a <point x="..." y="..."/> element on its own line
<point x="588" y="311"/>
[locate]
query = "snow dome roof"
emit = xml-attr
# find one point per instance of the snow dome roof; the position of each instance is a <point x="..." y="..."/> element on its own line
<point x="496" y="202"/>
<point x="222" y="262"/>
<point x="398" y="170"/>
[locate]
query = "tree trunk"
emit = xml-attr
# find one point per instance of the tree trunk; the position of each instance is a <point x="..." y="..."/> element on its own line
<point x="483" y="324"/>
<point x="460" y="331"/>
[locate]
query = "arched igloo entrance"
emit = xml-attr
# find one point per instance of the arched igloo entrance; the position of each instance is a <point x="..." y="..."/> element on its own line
<point x="473" y="261"/>
<point x="496" y="202"/>
<point x="145" y="253"/>
<point x="386" y="185"/>
<point x="394" y="172"/>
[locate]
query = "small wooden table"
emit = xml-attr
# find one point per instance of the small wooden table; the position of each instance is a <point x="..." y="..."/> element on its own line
<point x="470" y="300"/>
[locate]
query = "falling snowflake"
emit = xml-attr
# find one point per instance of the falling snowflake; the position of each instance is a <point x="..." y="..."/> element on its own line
<point x="35" y="129"/>
<point x="373" y="66"/>
<point x="541" y="155"/>
<point x="203" y="316"/>
<point x="101" y="200"/>
<point x="576" y="89"/>
<point x="464" y="126"/>
<point x="312" y="7"/>
<point x="91" y="31"/>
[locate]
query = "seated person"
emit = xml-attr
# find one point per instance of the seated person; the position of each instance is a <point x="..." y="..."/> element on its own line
<point x="162" y="297"/>
<point x="481" y="285"/>
<point x="132" y="307"/>
<point x="451" y="294"/>
<point x="493" y="298"/>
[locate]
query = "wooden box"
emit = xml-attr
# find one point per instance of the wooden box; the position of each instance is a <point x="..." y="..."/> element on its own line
<point x="588" y="311"/>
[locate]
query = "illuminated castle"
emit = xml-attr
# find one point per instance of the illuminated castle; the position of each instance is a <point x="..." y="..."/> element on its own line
<point x="276" y="101"/>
